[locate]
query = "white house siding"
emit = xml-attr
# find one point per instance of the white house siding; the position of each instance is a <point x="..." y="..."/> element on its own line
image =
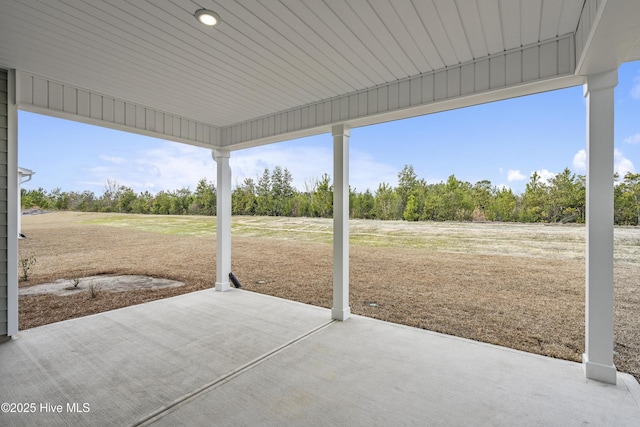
<point x="42" y="95"/>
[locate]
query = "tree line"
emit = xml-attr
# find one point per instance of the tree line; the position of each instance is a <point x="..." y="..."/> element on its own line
<point x="561" y="199"/>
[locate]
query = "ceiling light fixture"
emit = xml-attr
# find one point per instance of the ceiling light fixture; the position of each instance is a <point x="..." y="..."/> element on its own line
<point x="207" y="17"/>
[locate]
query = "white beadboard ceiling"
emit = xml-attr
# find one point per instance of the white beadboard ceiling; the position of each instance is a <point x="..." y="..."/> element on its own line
<point x="266" y="56"/>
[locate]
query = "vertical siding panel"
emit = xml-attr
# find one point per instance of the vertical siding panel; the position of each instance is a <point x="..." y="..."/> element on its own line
<point x="95" y="107"/>
<point x="530" y="64"/>
<point x="25" y="88"/>
<point x="141" y="116"/>
<point x="272" y="125"/>
<point x="168" y="124"/>
<point x="404" y="93"/>
<point x="416" y="90"/>
<point x="467" y="79"/>
<point x="372" y="101"/>
<point x="319" y="114"/>
<point x="394" y="96"/>
<point x="440" y="85"/>
<point x="108" y="109"/>
<point x="354" y="105"/>
<point x="176" y="125"/>
<point x="184" y="128"/>
<point x="159" y="122"/>
<point x="40" y="92"/>
<point x="277" y="125"/>
<point x="119" y="112"/>
<point x="564" y="56"/>
<point x="482" y="75"/>
<point x="497" y="75"/>
<point x="244" y="131"/>
<point x="362" y="104"/>
<point x="56" y="96"/>
<point x="150" y="120"/>
<point x="304" y="119"/>
<point x="383" y="99"/>
<point x="327" y="112"/>
<point x="453" y="82"/>
<point x="297" y="119"/>
<point x="428" y="94"/>
<point x="84" y="103"/>
<point x="548" y="59"/>
<point x="200" y="132"/>
<point x="69" y="100"/>
<point x="129" y="114"/>
<point x="312" y="115"/>
<point x="344" y="108"/>
<point x="514" y="67"/>
<point x="192" y="130"/>
<point x="291" y="122"/>
<point x="335" y="110"/>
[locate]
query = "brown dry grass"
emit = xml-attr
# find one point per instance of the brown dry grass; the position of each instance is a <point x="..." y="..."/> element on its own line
<point x="527" y="303"/>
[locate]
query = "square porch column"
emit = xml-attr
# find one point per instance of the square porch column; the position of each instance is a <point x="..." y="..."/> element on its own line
<point x="223" y="219"/>
<point x="598" y="356"/>
<point x="340" y="310"/>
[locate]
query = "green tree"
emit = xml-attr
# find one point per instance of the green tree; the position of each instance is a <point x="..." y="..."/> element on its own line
<point x="386" y="202"/>
<point x="204" y="198"/>
<point x="264" y="204"/>
<point x="322" y="198"/>
<point x="411" y="209"/>
<point x="243" y="198"/>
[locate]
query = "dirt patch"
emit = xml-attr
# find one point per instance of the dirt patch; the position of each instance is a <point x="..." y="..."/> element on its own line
<point x="514" y="298"/>
<point x="107" y="283"/>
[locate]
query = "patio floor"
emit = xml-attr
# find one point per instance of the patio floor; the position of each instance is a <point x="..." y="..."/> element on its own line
<point x="241" y="358"/>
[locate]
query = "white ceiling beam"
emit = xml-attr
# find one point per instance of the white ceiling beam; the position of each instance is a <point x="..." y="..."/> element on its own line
<point x="607" y="32"/>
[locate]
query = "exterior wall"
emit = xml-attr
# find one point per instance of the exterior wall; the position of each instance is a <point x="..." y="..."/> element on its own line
<point x="422" y="94"/>
<point x="4" y="137"/>
<point x="45" y="96"/>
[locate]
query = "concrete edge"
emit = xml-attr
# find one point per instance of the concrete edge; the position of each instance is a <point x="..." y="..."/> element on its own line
<point x="632" y="385"/>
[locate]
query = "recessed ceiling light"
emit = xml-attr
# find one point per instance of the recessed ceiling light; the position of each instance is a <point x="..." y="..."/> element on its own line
<point x="207" y="17"/>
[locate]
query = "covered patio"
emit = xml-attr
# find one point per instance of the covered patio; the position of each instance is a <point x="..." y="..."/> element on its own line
<point x="240" y="358"/>
<point x="274" y="71"/>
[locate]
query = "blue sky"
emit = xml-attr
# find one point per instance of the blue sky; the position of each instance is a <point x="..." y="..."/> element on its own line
<point x="504" y="142"/>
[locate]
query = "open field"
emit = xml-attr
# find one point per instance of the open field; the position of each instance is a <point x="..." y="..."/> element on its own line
<point x="517" y="285"/>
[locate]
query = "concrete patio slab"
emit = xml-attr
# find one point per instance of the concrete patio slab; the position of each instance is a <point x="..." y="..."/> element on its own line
<point x="239" y="358"/>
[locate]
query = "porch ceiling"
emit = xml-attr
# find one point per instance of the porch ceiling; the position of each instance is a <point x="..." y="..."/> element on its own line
<point x="269" y="56"/>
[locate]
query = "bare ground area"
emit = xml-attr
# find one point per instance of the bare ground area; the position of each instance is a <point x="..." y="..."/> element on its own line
<point x="511" y="285"/>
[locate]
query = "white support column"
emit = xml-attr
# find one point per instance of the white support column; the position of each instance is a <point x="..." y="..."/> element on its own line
<point x="598" y="356"/>
<point x="12" y="208"/>
<point x="223" y="218"/>
<point x="341" y="310"/>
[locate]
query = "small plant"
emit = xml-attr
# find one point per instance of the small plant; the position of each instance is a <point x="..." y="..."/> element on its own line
<point x="94" y="290"/>
<point x="75" y="282"/>
<point x="26" y="264"/>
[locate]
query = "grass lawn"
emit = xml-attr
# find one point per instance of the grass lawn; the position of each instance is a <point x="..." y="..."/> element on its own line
<point x="517" y="285"/>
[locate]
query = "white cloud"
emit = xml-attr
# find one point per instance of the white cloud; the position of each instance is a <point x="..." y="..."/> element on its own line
<point x="112" y="159"/>
<point x="633" y="139"/>
<point x="580" y="161"/>
<point x="514" y="175"/>
<point x="170" y="166"/>
<point x="545" y="175"/>
<point x="621" y="164"/>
